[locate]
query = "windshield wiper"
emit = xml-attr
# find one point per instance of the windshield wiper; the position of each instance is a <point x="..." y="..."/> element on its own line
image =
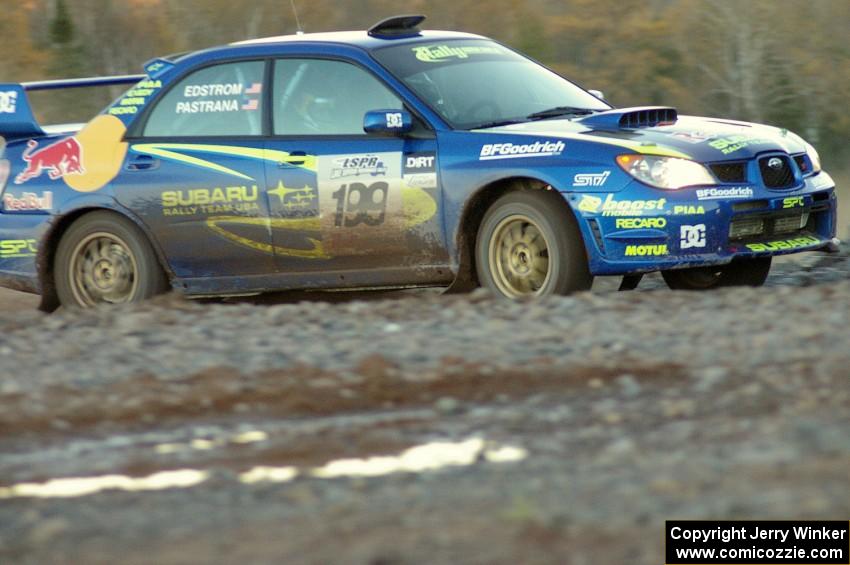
<point x="498" y="123"/>
<point x="560" y="111"/>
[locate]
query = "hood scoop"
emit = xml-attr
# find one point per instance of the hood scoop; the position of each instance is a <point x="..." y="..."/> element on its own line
<point x="632" y="118"/>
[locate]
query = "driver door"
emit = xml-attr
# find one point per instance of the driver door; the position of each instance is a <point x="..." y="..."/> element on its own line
<point x="342" y="201"/>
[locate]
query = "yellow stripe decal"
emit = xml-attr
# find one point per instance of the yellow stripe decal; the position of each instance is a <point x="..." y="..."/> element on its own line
<point x="176" y="152"/>
<point x="637" y="147"/>
<point x="295" y="224"/>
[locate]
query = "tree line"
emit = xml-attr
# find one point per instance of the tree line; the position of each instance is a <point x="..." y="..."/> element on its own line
<point x="782" y="62"/>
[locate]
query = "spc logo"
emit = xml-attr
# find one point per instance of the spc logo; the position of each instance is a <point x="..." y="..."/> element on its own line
<point x="16" y="248"/>
<point x="692" y="236"/>
<point x="591" y="179"/>
<point x="62" y="158"/>
<point x="8" y="102"/>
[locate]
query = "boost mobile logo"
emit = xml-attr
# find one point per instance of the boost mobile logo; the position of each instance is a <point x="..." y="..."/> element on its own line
<point x="494" y="151"/>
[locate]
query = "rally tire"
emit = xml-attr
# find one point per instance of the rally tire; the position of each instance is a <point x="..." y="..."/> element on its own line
<point x="743" y="272"/>
<point x="104" y="258"/>
<point x="529" y="244"/>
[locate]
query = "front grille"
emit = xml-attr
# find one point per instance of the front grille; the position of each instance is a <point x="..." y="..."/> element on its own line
<point x="759" y="226"/>
<point x="787" y="224"/>
<point x="730" y="172"/>
<point x="778" y="177"/>
<point x="746" y="227"/>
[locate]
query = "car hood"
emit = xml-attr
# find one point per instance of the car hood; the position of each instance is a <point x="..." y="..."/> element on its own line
<point x="700" y="139"/>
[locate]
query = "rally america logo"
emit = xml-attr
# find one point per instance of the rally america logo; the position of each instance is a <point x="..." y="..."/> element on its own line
<point x="493" y="151"/>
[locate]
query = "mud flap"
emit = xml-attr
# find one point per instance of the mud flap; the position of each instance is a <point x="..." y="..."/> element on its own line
<point x="631" y="282"/>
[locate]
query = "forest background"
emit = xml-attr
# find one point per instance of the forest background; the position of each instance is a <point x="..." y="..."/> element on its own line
<point x="782" y="62"/>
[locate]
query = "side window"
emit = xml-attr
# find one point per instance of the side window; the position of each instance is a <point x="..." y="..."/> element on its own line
<point x="224" y="99"/>
<point x="320" y="97"/>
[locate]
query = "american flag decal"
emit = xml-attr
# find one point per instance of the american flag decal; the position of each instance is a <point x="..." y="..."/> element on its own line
<point x="255" y="88"/>
<point x="252" y="104"/>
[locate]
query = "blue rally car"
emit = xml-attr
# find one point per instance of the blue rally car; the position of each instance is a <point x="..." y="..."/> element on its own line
<point x="388" y="158"/>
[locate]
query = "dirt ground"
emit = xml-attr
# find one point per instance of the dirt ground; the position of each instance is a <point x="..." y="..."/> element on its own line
<point x="414" y="428"/>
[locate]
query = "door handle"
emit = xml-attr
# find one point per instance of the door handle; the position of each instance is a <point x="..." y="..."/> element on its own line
<point x="143" y="163"/>
<point x="296" y="162"/>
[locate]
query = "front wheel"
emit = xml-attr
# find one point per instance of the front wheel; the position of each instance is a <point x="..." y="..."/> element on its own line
<point x="745" y="272"/>
<point x="529" y="244"/>
<point x="104" y="258"/>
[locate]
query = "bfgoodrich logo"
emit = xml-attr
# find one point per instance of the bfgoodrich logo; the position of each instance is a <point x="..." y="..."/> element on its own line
<point x="494" y="151"/>
<point x="715" y="193"/>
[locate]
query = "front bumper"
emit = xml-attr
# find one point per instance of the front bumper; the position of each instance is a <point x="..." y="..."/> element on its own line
<point x="641" y="229"/>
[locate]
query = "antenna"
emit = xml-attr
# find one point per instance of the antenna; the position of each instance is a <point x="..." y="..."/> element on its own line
<point x="297" y="21"/>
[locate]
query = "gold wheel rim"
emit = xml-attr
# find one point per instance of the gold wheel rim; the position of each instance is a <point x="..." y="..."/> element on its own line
<point x="103" y="270"/>
<point x="519" y="257"/>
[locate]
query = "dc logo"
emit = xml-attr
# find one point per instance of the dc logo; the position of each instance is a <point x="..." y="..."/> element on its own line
<point x="8" y="101"/>
<point x="394" y="120"/>
<point x="692" y="236"/>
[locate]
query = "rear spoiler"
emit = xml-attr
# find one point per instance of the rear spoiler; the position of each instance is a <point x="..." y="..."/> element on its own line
<point x="16" y="116"/>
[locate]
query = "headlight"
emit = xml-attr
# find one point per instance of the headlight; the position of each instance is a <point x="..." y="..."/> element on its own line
<point x="813" y="157"/>
<point x="665" y="172"/>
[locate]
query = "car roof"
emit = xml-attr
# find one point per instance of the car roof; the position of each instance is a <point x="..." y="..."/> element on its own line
<point x="338" y="42"/>
<point x="360" y="38"/>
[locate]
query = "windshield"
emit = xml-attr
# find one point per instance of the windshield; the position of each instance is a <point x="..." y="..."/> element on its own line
<point x="479" y="83"/>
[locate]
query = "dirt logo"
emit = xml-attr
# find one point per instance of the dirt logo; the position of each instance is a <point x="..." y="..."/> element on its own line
<point x="59" y="159"/>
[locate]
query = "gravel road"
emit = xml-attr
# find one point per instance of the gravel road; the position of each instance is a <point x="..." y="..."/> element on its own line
<point x="420" y="428"/>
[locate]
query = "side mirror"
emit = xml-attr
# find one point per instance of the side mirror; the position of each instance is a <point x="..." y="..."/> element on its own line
<point x="598" y="93"/>
<point x="388" y="122"/>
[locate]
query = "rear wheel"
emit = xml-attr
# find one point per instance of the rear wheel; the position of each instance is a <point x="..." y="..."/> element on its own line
<point x="529" y="244"/>
<point x="745" y="272"/>
<point x="104" y="258"/>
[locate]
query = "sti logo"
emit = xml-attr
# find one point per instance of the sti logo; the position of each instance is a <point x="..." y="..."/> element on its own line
<point x="591" y="179"/>
<point x="8" y="102"/>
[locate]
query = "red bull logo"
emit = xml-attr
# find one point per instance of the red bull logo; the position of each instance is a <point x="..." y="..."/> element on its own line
<point x="62" y="158"/>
